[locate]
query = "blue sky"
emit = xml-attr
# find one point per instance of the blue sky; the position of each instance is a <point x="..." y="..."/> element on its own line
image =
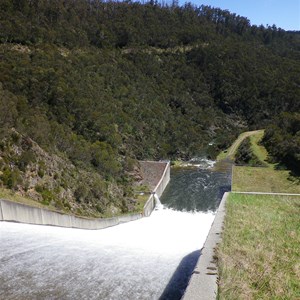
<point x="284" y="14"/>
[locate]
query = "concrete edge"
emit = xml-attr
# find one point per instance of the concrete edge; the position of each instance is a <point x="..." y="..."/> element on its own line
<point x="22" y="213"/>
<point x="203" y="284"/>
<point x="265" y="193"/>
<point x="1" y="213"/>
<point x="204" y="281"/>
<point x="160" y="187"/>
<point x="149" y="206"/>
<point x="167" y="169"/>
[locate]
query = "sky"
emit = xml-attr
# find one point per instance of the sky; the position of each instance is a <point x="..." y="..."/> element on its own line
<point x="284" y="14"/>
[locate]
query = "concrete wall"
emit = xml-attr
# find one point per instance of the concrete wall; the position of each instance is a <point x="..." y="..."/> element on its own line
<point x="149" y="206"/>
<point x="16" y="212"/>
<point x="159" y="189"/>
<point x="1" y="215"/>
<point x="203" y="284"/>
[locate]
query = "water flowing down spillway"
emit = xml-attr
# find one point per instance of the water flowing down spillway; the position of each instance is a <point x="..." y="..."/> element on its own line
<point x="151" y="258"/>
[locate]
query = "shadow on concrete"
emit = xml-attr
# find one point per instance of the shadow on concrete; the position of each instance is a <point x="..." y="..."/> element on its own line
<point x="222" y="190"/>
<point x="180" y="279"/>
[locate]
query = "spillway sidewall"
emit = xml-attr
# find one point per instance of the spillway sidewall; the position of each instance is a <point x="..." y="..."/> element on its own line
<point x="17" y="212"/>
<point x="204" y="281"/>
<point x="164" y="180"/>
<point x="158" y="190"/>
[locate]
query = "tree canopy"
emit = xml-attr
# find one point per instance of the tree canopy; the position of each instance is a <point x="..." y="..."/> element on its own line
<point x="103" y="83"/>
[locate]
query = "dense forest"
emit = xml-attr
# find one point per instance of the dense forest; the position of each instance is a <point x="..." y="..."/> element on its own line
<point x="101" y="85"/>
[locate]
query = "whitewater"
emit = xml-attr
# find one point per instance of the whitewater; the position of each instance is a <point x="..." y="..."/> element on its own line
<point x="136" y="260"/>
<point x="150" y="258"/>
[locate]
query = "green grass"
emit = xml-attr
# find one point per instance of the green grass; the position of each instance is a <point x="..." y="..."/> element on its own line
<point x="259" y="150"/>
<point x="140" y="202"/>
<point x="259" y="254"/>
<point x="222" y="155"/>
<point x="267" y="179"/>
<point x="142" y="194"/>
<point x="230" y="152"/>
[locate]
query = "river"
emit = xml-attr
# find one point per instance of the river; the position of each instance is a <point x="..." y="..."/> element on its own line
<point x="151" y="258"/>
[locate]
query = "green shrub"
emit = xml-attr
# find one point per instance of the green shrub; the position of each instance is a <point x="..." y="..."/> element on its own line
<point x="2" y="145"/>
<point x="41" y="173"/>
<point x="11" y="178"/>
<point x="130" y="163"/>
<point x="25" y="159"/>
<point x="245" y="155"/>
<point x="42" y="169"/>
<point x="67" y="205"/>
<point x="59" y="204"/>
<point x="81" y="193"/>
<point x="48" y="196"/>
<point x="38" y="188"/>
<point x="99" y="208"/>
<point x="15" y="138"/>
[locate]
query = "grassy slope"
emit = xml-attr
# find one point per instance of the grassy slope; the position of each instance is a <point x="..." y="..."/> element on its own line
<point x="230" y="152"/>
<point x="268" y="179"/>
<point x="259" y="253"/>
<point x="250" y="179"/>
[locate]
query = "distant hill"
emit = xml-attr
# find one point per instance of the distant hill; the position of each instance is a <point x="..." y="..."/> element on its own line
<point x="102" y="84"/>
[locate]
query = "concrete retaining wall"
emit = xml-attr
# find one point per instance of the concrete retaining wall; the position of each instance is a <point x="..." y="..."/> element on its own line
<point x="203" y="284"/>
<point x="16" y="212"/>
<point x="159" y="189"/>
<point x="1" y="215"/>
<point x="149" y="206"/>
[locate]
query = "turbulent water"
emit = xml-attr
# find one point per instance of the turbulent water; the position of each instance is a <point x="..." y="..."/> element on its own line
<point x="151" y="258"/>
<point x="197" y="189"/>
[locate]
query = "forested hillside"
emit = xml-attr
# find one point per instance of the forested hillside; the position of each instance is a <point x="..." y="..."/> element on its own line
<point x="103" y="84"/>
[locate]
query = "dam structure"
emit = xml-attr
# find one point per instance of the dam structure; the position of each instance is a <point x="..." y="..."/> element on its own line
<point x="150" y="258"/>
<point x="158" y="175"/>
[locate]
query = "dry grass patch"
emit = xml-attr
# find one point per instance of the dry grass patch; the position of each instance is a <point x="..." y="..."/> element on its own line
<point x="7" y="194"/>
<point x="259" y="255"/>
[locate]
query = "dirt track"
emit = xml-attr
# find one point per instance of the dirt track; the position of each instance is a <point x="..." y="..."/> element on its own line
<point x="238" y="141"/>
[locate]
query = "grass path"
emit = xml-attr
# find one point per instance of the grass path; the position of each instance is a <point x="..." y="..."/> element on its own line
<point x="230" y="152"/>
